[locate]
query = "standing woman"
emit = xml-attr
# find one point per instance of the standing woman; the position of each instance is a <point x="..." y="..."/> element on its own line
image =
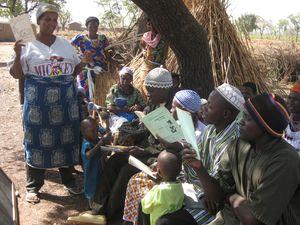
<point x="155" y="50"/>
<point x="96" y="44"/>
<point x="50" y="114"/>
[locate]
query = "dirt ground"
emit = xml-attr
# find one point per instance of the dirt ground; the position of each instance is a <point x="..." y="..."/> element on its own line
<point x="56" y="204"/>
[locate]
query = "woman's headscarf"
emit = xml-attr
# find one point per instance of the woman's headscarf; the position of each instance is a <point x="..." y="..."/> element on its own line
<point x="126" y="70"/>
<point x="90" y="19"/>
<point x="45" y="8"/>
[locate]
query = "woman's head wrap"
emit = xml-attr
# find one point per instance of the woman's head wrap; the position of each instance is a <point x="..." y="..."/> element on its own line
<point x="159" y="78"/>
<point x="90" y="19"/>
<point x="189" y="100"/>
<point x="269" y="112"/>
<point x="126" y="70"/>
<point x="45" y="8"/>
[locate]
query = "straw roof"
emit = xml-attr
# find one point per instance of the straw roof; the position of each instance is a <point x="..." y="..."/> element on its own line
<point x="231" y="55"/>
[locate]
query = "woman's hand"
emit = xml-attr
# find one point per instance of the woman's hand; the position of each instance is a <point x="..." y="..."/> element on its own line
<point x="134" y="108"/>
<point x="18" y="47"/>
<point x="190" y="156"/>
<point x="87" y="57"/>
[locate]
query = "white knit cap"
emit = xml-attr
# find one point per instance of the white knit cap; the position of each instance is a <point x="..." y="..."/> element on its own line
<point x="232" y="95"/>
<point x="159" y="78"/>
<point x="126" y="70"/>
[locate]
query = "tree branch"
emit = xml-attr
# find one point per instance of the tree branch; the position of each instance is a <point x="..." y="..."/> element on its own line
<point x="32" y="8"/>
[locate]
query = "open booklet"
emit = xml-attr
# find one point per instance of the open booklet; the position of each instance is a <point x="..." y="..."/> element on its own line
<point x="161" y="123"/>
<point x="141" y="166"/>
<point x="21" y="28"/>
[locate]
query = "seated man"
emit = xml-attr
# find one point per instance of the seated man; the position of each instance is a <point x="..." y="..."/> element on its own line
<point x="292" y="132"/>
<point x="123" y="99"/>
<point x="259" y="176"/>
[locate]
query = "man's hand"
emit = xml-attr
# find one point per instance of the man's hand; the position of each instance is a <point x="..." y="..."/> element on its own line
<point x="176" y="146"/>
<point x="210" y="206"/>
<point x="190" y="156"/>
<point x="235" y="200"/>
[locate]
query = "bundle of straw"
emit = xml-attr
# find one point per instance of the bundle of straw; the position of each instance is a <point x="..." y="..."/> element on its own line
<point x="232" y="59"/>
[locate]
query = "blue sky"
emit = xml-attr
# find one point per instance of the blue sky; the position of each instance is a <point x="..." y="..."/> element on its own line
<point x="269" y="9"/>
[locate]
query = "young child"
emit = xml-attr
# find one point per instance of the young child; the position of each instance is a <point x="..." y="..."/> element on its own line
<point x="91" y="156"/>
<point x="166" y="197"/>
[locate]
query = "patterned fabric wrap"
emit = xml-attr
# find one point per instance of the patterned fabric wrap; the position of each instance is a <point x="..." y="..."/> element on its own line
<point x="82" y="43"/>
<point x="51" y="121"/>
<point x="138" y="186"/>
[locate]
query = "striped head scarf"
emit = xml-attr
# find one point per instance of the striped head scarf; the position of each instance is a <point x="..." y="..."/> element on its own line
<point x="269" y="112"/>
<point x="189" y="100"/>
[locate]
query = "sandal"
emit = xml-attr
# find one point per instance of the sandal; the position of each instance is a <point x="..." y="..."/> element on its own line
<point x="74" y="190"/>
<point x="32" y="197"/>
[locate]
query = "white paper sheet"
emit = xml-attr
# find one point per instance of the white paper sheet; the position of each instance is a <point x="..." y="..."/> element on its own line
<point x="187" y="127"/>
<point x="141" y="166"/>
<point x="22" y="29"/>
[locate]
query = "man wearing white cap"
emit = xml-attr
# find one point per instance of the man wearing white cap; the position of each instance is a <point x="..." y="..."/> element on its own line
<point x="223" y="105"/>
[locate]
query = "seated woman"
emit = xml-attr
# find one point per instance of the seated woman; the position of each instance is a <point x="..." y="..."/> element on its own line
<point x="140" y="184"/>
<point x="123" y="99"/>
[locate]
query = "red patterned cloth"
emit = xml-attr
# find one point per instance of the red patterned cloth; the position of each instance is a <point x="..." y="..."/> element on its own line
<point x="138" y="186"/>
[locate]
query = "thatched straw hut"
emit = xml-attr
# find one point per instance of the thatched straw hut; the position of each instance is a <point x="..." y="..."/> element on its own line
<point x="231" y="55"/>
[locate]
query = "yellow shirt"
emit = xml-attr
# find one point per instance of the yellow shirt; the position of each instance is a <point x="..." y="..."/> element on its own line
<point x="162" y="199"/>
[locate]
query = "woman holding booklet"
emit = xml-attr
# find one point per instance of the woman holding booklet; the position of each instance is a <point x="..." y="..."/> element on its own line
<point x="50" y="114"/>
<point x="140" y="184"/>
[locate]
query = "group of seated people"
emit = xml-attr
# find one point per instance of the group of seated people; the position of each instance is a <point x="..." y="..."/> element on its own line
<point x="247" y="172"/>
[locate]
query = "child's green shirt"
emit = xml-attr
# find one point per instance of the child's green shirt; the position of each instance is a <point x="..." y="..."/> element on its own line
<point x="162" y="199"/>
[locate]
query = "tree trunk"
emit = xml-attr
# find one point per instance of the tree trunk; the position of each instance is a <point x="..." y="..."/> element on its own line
<point x="187" y="39"/>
